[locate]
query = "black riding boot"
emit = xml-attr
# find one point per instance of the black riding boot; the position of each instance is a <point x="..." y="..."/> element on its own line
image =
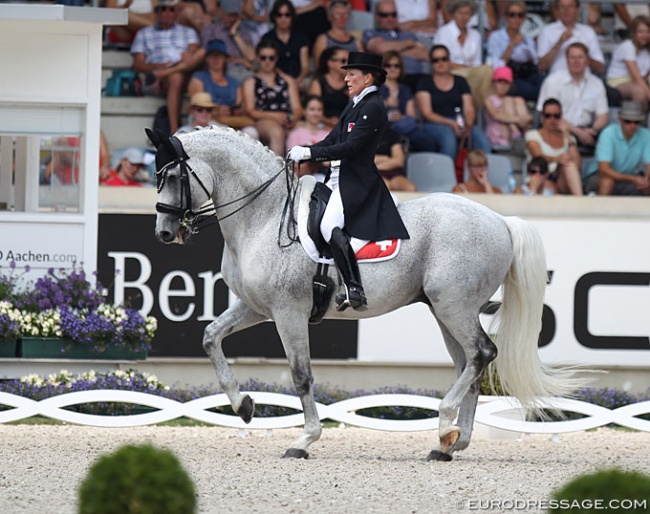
<point x="346" y="262"/>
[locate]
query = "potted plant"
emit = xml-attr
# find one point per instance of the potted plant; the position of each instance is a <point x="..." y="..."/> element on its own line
<point x="9" y="329"/>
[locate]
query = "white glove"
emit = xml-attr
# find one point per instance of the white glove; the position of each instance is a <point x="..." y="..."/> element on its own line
<point x="299" y="153"/>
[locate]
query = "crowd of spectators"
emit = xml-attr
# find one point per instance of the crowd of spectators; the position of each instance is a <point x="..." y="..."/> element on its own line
<point x="454" y="77"/>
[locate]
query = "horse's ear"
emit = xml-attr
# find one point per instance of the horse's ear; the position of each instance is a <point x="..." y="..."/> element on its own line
<point x="153" y="137"/>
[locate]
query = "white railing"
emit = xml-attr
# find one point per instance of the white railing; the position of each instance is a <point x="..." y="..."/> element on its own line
<point x="487" y="412"/>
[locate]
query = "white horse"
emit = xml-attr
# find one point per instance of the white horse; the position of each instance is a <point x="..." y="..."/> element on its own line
<point x="459" y="254"/>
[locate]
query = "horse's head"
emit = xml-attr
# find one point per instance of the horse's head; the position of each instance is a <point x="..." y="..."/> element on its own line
<point x="181" y="190"/>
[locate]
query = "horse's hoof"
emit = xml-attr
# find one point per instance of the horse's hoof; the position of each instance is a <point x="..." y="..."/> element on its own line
<point x="448" y="437"/>
<point x="295" y="453"/>
<point x="439" y="456"/>
<point x="246" y="409"/>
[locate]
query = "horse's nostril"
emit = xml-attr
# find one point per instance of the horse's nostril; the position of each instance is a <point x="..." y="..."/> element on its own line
<point x="165" y="236"/>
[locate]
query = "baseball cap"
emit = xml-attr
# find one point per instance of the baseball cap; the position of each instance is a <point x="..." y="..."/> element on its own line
<point x="503" y="73"/>
<point x="133" y="155"/>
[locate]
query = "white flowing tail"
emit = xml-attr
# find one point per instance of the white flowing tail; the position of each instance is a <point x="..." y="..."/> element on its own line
<point x="519" y="321"/>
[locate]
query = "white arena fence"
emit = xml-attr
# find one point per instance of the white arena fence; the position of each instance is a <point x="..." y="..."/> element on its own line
<point x="487" y="412"/>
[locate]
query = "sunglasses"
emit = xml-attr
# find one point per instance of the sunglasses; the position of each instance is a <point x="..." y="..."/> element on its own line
<point x="267" y="57"/>
<point x="387" y="14"/>
<point x="165" y="8"/>
<point x="535" y="171"/>
<point x="520" y="15"/>
<point x="202" y="109"/>
<point x="555" y="116"/>
<point x="388" y="66"/>
<point x="284" y="15"/>
<point x="632" y="122"/>
<point x="435" y="60"/>
<point x="342" y="60"/>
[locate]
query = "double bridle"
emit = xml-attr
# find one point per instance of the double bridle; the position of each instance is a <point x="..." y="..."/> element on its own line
<point x="207" y="215"/>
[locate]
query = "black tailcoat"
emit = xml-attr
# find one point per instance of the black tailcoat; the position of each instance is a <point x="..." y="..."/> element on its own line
<point x="369" y="209"/>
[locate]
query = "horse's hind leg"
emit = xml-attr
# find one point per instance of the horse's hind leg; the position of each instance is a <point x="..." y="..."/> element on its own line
<point x="295" y="339"/>
<point x="237" y="317"/>
<point x="470" y="361"/>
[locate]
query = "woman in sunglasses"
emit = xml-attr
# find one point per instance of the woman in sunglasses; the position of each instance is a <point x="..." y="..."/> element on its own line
<point x="509" y="47"/>
<point x="272" y="99"/>
<point x="330" y="85"/>
<point x="557" y="146"/>
<point x="536" y="183"/>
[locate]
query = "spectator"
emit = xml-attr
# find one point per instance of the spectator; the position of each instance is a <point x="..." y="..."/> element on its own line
<point x="536" y="182"/>
<point x="630" y="66"/>
<point x="624" y="15"/>
<point x="465" y="49"/>
<point x="506" y="117"/>
<point x="400" y="105"/>
<point x="271" y="98"/>
<point x="581" y="95"/>
<point x="329" y="84"/>
<point x="130" y="165"/>
<point x="312" y="18"/>
<point x="338" y="12"/>
<point x="167" y="54"/>
<point x="622" y="163"/>
<point x="291" y="41"/>
<point x="201" y="112"/>
<point x="224" y="90"/>
<point x="255" y="19"/>
<point x="509" y="47"/>
<point x="555" y="38"/>
<point x="140" y="15"/>
<point x="445" y="103"/>
<point x="390" y="160"/>
<point x="61" y="164"/>
<point x="554" y="142"/>
<point x="418" y="16"/>
<point x="478" y="182"/>
<point x="239" y="44"/>
<point x="387" y="36"/>
<point x="307" y="133"/>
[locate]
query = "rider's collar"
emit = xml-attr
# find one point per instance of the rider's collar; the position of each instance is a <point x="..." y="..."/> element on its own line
<point x="363" y="93"/>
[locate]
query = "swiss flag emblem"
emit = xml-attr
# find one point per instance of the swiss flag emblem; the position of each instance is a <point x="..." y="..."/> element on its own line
<point x="350" y="127"/>
<point x="378" y="250"/>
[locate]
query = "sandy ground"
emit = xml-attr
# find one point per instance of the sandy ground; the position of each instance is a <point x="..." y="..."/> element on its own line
<point x="349" y="470"/>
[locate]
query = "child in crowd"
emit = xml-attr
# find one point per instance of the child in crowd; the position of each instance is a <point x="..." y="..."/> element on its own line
<point x="309" y="132"/>
<point x="537" y="179"/>
<point x="478" y="180"/>
<point x="506" y="117"/>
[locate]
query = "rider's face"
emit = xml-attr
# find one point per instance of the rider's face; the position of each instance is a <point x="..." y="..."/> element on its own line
<point x="357" y="81"/>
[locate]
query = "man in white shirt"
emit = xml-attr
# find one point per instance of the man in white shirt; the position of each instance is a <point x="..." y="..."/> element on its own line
<point x="555" y="38"/>
<point x="582" y="96"/>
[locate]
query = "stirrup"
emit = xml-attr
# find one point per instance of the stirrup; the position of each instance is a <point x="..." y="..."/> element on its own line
<point x="353" y="297"/>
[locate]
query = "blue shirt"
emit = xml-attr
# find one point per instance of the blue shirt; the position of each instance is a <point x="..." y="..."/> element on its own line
<point x="624" y="156"/>
<point x="411" y="66"/>
<point x="499" y="41"/>
<point x="222" y="95"/>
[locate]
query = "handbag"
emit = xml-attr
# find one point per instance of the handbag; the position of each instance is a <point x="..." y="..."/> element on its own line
<point x="523" y="70"/>
<point x="461" y="156"/>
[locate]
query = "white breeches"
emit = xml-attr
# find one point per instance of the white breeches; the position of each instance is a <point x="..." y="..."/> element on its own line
<point x="333" y="216"/>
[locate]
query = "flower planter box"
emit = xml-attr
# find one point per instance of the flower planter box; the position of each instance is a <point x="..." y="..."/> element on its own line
<point x="60" y="348"/>
<point x="8" y="348"/>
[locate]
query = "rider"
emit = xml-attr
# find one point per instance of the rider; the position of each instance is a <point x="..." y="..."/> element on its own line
<point x="360" y="200"/>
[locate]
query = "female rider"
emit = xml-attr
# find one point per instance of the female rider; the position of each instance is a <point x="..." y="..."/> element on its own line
<point x="360" y="200"/>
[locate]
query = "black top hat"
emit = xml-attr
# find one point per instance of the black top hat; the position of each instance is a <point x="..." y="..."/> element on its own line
<point x="365" y="62"/>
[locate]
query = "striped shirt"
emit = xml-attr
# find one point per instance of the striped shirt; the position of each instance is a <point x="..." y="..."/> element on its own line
<point x="164" y="45"/>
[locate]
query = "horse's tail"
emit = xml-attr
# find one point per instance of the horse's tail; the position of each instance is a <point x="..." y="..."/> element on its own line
<point x="519" y="321"/>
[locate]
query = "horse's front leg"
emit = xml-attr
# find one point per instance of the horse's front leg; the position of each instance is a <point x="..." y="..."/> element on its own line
<point x="295" y="339"/>
<point x="235" y="318"/>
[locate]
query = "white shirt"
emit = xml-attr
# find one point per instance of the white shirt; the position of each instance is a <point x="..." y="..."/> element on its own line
<point x="626" y="51"/>
<point x="369" y="89"/>
<point x="582" y="33"/>
<point x="468" y="54"/>
<point x="581" y="101"/>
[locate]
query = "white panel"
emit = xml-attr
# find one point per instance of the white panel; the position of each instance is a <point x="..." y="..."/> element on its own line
<point x="23" y="119"/>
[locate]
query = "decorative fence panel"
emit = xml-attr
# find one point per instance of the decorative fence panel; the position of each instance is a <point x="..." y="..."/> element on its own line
<point x="487" y="412"/>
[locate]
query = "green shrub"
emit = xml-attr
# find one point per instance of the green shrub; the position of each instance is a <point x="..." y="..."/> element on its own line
<point x="137" y="480"/>
<point x="628" y="491"/>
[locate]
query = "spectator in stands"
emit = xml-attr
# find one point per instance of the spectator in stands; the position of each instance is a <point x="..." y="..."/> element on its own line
<point x="491" y="19"/>
<point x="555" y="38"/>
<point x="167" y="54"/>
<point x="400" y="105"/>
<point x="272" y="99"/>
<point x="509" y="47"/>
<point x="255" y="19"/>
<point x="338" y="12"/>
<point x="201" y="112"/>
<point x="130" y="165"/>
<point x="466" y="49"/>
<point x="239" y="44"/>
<point x="506" y="117"/>
<point x="622" y="163"/>
<point x="555" y="143"/>
<point x="387" y="36"/>
<point x="625" y="14"/>
<point x="311" y="18"/>
<point x="418" y="16"/>
<point x="445" y="104"/>
<point x="581" y="95"/>
<point x="140" y="15"/>
<point x="61" y="164"/>
<point x="329" y="84"/>
<point x="390" y="160"/>
<point x="307" y="133"/>
<point x="291" y="40"/>
<point x="536" y="180"/>
<point x="478" y="182"/>
<point x="630" y="66"/>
